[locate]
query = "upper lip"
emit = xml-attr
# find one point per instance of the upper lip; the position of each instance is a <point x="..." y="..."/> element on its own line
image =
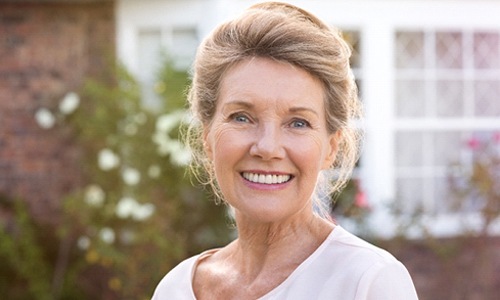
<point x="266" y="172"/>
<point x="267" y="177"/>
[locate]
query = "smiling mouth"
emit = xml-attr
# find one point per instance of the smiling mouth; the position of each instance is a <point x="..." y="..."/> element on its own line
<point x="266" y="178"/>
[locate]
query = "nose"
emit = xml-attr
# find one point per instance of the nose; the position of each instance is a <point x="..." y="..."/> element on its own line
<point x="268" y="143"/>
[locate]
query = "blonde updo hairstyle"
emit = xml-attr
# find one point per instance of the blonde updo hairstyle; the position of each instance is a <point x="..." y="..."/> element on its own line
<point x="285" y="33"/>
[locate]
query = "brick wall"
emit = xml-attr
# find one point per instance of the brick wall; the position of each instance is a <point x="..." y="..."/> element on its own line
<point x="455" y="268"/>
<point x="47" y="48"/>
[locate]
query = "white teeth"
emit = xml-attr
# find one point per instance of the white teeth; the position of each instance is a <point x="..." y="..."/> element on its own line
<point x="262" y="178"/>
<point x="266" y="179"/>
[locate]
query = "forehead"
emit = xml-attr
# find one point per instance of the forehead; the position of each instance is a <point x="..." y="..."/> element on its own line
<point x="267" y="81"/>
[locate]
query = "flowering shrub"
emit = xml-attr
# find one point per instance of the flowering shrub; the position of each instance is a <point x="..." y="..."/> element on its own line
<point x="351" y="208"/>
<point x="477" y="185"/>
<point x="352" y="202"/>
<point x="137" y="214"/>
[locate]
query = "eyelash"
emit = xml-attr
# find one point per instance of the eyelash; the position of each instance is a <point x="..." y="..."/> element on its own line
<point x="305" y="123"/>
<point x="243" y="118"/>
<point x="237" y="117"/>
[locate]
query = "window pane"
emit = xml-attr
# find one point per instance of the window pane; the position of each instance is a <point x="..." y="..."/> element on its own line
<point x="183" y="46"/>
<point x="409" y="150"/>
<point x="410" y="50"/>
<point x="149" y="46"/>
<point x="447" y="148"/>
<point x="444" y="198"/>
<point x="449" y="50"/>
<point x="410" y="98"/>
<point x="487" y="98"/>
<point x="409" y="194"/>
<point x="487" y="50"/>
<point x="449" y="98"/>
<point x="353" y="38"/>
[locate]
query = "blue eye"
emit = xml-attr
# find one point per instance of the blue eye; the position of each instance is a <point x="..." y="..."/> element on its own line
<point x="300" y="123"/>
<point x="240" y="118"/>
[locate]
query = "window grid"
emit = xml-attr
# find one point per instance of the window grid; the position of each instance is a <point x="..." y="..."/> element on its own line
<point x="179" y="43"/>
<point x="442" y="78"/>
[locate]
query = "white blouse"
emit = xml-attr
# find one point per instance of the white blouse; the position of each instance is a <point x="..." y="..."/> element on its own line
<point x="343" y="267"/>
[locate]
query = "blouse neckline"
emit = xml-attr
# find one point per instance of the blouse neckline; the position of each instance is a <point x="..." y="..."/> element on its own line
<point x="282" y="285"/>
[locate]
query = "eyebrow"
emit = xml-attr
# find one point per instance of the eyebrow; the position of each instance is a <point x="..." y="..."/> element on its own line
<point x="302" y="109"/>
<point x="238" y="104"/>
<point x="248" y="105"/>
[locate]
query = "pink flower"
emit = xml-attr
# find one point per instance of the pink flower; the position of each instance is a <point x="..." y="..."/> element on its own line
<point x="496" y="137"/>
<point x="473" y="143"/>
<point x="360" y="200"/>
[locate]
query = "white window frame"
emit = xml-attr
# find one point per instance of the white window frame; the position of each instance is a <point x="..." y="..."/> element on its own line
<point x="378" y="21"/>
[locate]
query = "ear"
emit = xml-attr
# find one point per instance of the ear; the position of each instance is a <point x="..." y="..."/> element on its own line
<point x="206" y="143"/>
<point x="333" y="146"/>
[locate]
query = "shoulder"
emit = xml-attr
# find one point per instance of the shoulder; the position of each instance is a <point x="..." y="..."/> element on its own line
<point x="376" y="273"/>
<point x="344" y="244"/>
<point x="177" y="282"/>
<point x="389" y="281"/>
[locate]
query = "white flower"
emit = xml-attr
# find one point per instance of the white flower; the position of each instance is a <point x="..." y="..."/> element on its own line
<point x="131" y="176"/>
<point x="107" y="235"/>
<point x="69" y="103"/>
<point x="165" y="123"/>
<point x="45" y="118"/>
<point x="129" y="207"/>
<point x="179" y="154"/>
<point x="154" y="171"/>
<point x="163" y="142"/>
<point x="94" y="195"/>
<point x="143" y="212"/>
<point x="107" y="160"/>
<point x="126" y="206"/>
<point x="83" y="242"/>
<point x="181" y="157"/>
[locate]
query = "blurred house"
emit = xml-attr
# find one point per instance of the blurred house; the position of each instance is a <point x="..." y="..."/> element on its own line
<point x="47" y="49"/>
<point x="428" y="73"/>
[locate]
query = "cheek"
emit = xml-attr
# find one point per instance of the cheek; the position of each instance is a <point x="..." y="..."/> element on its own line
<point x="311" y="150"/>
<point x="310" y="144"/>
<point x="224" y="142"/>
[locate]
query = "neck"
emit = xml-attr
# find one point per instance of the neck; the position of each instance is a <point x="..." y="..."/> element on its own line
<point x="260" y="247"/>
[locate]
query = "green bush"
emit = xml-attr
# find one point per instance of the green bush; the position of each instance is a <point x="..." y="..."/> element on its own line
<point x="138" y="213"/>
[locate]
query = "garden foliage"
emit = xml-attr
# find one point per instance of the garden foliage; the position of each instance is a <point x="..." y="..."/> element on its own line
<point x="137" y="214"/>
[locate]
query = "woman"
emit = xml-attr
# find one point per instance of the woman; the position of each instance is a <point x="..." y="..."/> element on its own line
<point x="275" y="100"/>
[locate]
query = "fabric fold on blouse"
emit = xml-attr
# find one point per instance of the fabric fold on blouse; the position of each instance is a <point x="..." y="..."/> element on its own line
<point x="342" y="267"/>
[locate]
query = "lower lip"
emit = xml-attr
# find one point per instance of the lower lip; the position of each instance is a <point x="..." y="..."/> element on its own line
<point x="266" y="187"/>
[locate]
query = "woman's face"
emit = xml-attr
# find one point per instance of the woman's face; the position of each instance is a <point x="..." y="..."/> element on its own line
<point x="268" y="139"/>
